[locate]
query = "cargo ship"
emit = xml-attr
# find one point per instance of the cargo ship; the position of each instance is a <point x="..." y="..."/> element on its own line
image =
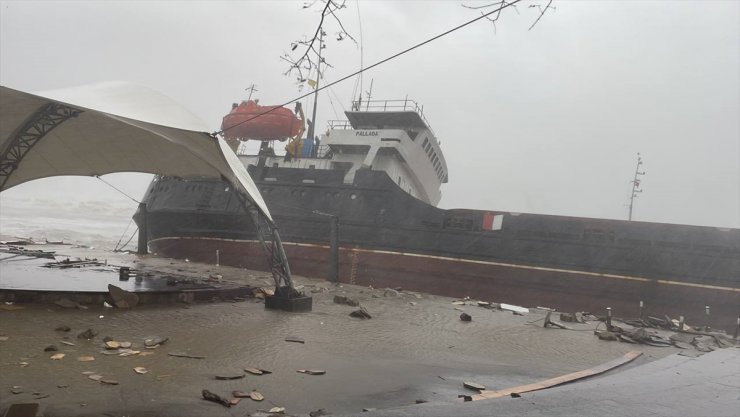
<point x="373" y="182"/>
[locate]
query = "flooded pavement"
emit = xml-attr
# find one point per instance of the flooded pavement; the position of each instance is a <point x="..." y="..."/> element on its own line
<point x="414" y="348"/>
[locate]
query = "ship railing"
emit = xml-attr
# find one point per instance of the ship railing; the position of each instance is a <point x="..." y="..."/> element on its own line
<point x="404" y="104"/>
<point x="339" y="124"/>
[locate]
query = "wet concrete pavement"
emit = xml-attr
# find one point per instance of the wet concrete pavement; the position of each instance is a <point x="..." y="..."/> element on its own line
<point x="414" y="348"/>
<point x="676" y="385"/>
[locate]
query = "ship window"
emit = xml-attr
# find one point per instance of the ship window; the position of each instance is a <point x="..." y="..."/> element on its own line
<point x="426" y="142"/>
<point x="275" y="165"/>
<point x="312" y="167"/>
<point x="399" y="180"/>
<point x="412" y="134"/>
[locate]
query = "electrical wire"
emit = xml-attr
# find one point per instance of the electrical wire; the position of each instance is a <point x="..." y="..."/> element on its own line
<point x="124" y="232"/>
<point x="129" y="240"/>
<point x="383" y="61"/>
<point x="113" y="187"/>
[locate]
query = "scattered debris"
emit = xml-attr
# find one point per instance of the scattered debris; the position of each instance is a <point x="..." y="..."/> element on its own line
<point x="50" y="348"/>
<point x="605" y="335"/>
<point x="256" y="371"/>
<point x="57" y="356"/>
<point x="642" y="336"/>
<point x="362" y="313"/>
<point x="340" y="299"/>
<point x="294" y="340"/>
<point x="95" y="377"/>
<point x="312" y="371"/>
<point x="86" y="358"/>
<point x="109" y="381"/>
<point x="514" y="309"/>
<point x="15" y="390"/>
<point x="572" y="317"/>
<point x="465" y="398"/>
<point x="124" y="345"/>
<point x="484" y="304"/>
<point x="465" y="317"/>
<point x="65" y="342"/>
<point x="112" y="344"/>
<point x="23" y="364"/>
<point x="4" y="338"/>
<point x="458" y="303"/>
<point x="550" y="323"/>
<point x="140" y="370"/>
<point x="128" y="352"/>
<point x="256" y="396"/>
<point x="318" y="413"/>
<point x="227" y="377"/>
<point x="208" y="395"/>
<point x="390" y="292"/>
<point x="474" y="386"/>
<point x="155" y="341"/>
<point x="185" y="355"/>
<point x="87" y="334"/>
<point x="28" y="252"/>
<point x="68" y="263"/>
<point x="421" y="401"/>
<point x="413" y="303"/>
<point x="277" y="410"/>
<point x="122" y="298"/>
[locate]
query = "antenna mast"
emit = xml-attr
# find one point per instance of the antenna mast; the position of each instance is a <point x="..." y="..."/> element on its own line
<point x="635" y="184"/>
<point x="252" y="89"/>
<point x="312" y="125"/>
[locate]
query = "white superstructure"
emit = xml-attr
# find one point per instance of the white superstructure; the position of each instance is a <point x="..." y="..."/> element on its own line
<point x="390" y="136"/>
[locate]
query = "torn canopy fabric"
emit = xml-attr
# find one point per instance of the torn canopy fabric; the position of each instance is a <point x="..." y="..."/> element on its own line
<point x="111" y="127"/>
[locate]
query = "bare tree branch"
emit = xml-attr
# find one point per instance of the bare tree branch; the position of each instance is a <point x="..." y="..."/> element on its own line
<point x="501" y="4"/>
<point x="542" y="13"/>
<point x="307" y="61"/>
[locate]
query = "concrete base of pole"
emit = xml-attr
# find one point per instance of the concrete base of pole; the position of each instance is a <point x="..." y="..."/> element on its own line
<point x="288" y="299"/>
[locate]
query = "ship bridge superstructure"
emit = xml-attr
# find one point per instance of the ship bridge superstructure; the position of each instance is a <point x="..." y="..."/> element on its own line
<point x="392" y="136"/>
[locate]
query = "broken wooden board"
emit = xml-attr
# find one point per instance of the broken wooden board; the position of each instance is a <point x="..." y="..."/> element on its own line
<point x="552" y="382"/>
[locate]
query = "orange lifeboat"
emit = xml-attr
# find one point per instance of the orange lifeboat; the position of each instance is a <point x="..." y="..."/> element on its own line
<point x="249" y="120"/>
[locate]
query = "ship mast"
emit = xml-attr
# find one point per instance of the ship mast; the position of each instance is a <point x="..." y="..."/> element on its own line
<point x="635" y="184"/>
<point x="312" y="125"/>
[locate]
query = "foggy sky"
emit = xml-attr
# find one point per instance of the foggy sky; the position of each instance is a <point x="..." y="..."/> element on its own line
<point x="543" y="121"/>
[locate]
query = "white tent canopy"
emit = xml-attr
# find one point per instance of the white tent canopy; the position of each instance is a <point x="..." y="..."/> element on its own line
<point x="111" y="127"/>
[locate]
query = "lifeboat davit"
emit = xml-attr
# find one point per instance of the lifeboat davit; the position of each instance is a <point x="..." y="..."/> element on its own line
<point x="249" y="120"/>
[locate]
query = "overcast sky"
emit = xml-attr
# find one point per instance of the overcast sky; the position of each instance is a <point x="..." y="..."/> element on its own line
<point x="545" y="121"/>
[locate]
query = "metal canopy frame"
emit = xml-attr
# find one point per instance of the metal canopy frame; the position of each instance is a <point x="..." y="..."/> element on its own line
<point x="34" y="128"/>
